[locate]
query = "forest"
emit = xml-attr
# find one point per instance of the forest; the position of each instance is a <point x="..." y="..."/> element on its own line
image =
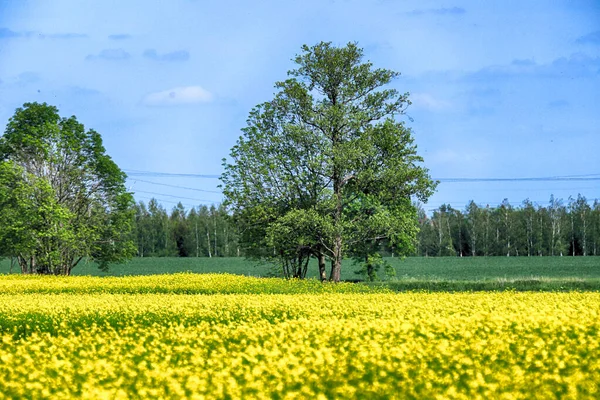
<point x="561" y="228"/>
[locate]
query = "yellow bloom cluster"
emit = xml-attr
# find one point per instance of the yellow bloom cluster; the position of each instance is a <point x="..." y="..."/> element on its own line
<point x="181" y="283"/>
<point x="329" y="344"/>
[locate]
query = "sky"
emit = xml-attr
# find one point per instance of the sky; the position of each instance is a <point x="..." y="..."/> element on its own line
<point x="500" y="89"/>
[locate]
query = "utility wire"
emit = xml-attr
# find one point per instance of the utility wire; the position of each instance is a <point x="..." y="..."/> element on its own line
<point x="176" y="197"/>
<point x="175" y="186"/>
<point x="542" y="179"/>
<point x="132" y="172"/>
<point x="580" y="177"/>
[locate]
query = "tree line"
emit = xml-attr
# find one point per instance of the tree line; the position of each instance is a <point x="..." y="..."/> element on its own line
<point x="562" y="228"/>
<point x="569" y="227"/>
<point x="203" y="231"/>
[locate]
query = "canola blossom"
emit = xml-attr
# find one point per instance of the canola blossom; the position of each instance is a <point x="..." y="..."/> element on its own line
<point x="103" y="338"/>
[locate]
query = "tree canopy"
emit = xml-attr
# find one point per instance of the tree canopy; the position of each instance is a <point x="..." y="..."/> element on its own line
<point x="326" y="168"/>
<point x="62" y="198"/>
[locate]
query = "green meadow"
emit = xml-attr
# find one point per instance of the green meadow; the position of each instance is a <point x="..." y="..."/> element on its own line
<point x="412" y="273"/>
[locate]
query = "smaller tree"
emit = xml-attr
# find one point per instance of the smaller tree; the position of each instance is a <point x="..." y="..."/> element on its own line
<point x="62" y="199"/>
<point x="180" y="229"/>
<point x="296" y="237"/>
<point x="393" y="223"/>
<point x="473" y="223"/>
<point x="427" y="236"/>
<point x="557" y="215"/>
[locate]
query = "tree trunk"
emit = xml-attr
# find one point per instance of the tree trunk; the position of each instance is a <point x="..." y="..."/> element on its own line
<point x="208" y="241"/>
<point x="197" y="241"/>
<point x="215" y="220"/>
<point x="459" y="236"/>
<point x="22" y="263"/>
<point x="322" y="272"/>
<point x="572" y="234"/>
<point x="167" y="236"/>
<point x="336" y="263"/>
<point x="584" y="236"/>
<point x="486" y="234"/>
<point x="440" y="237"/>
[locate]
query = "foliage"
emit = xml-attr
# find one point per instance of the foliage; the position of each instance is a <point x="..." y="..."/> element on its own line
<point x="62" y="199"/>
<point x="371" y="266"/>
<point x="295" y="236"/>
<point x="200" y="232"/>
<point x="527" y="230"/>
<point x="412" y="345"/>
<point x="478" y="230"/>
<point x="328" y="144"/>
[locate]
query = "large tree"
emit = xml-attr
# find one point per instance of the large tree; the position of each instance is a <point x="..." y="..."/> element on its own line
<point x="330" y="142"/>
<point x="62" y="198"/>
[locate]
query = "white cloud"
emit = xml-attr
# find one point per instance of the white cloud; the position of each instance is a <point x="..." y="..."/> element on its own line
<point x="110" y="54"/>
<point x="425" y="100"/>
<point x="178" y="96"/>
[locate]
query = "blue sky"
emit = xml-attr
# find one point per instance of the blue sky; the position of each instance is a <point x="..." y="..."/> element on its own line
<point x="500" y="89"/>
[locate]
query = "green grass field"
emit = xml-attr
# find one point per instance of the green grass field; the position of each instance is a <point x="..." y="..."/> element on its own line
<point x="408" y="269"/>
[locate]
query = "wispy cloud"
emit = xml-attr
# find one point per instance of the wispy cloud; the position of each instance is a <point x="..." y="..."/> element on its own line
<point x="577" y="65"/>
<point x="178" y="96"/>
<point x="63" y="36"/>
<point x="110" y="55"/>
<point x="27" y="77"/>
<point x="561" y="103"/>
<point x="119" y="36"/>
<point x="23" y="79"/>
<point x="590" y="38"/>
<point x="438" y="11"/>
<point x="179" y="55"/>
<point x="523" y="62"/>
<point x="6" y="33"/>
<point x="428" y="101"/>
<point x="481" y="100"/>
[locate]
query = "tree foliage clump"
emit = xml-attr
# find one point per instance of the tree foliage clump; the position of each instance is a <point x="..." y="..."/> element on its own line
<point x="199" y="232"/>
<point x="527" y="229"/>
<point x="62" y="198"/>
<point x="326" y="169"/>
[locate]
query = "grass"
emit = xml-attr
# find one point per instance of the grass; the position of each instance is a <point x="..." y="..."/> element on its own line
<point x="412" y="273"/>
<point x="491" y="285"/>
<point x="485" y="268"/>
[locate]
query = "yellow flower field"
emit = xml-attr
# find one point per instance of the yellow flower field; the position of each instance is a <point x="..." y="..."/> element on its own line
<point x="102" y="338"/>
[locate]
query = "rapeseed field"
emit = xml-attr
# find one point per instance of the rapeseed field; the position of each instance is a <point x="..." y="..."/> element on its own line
<point x="229" y="337"/>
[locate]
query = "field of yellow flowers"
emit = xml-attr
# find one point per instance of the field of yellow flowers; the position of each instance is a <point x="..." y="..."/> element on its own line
<point x="224" y="336"/>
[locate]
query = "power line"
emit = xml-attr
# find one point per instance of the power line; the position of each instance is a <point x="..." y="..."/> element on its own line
<point x="132" y="172"/>
<point x="176" y="197"/>
<point x="541" y="179"/>
<point x="530" y="189"/>
<point x="580" y="177"/>
<point x="175" y="186"/>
